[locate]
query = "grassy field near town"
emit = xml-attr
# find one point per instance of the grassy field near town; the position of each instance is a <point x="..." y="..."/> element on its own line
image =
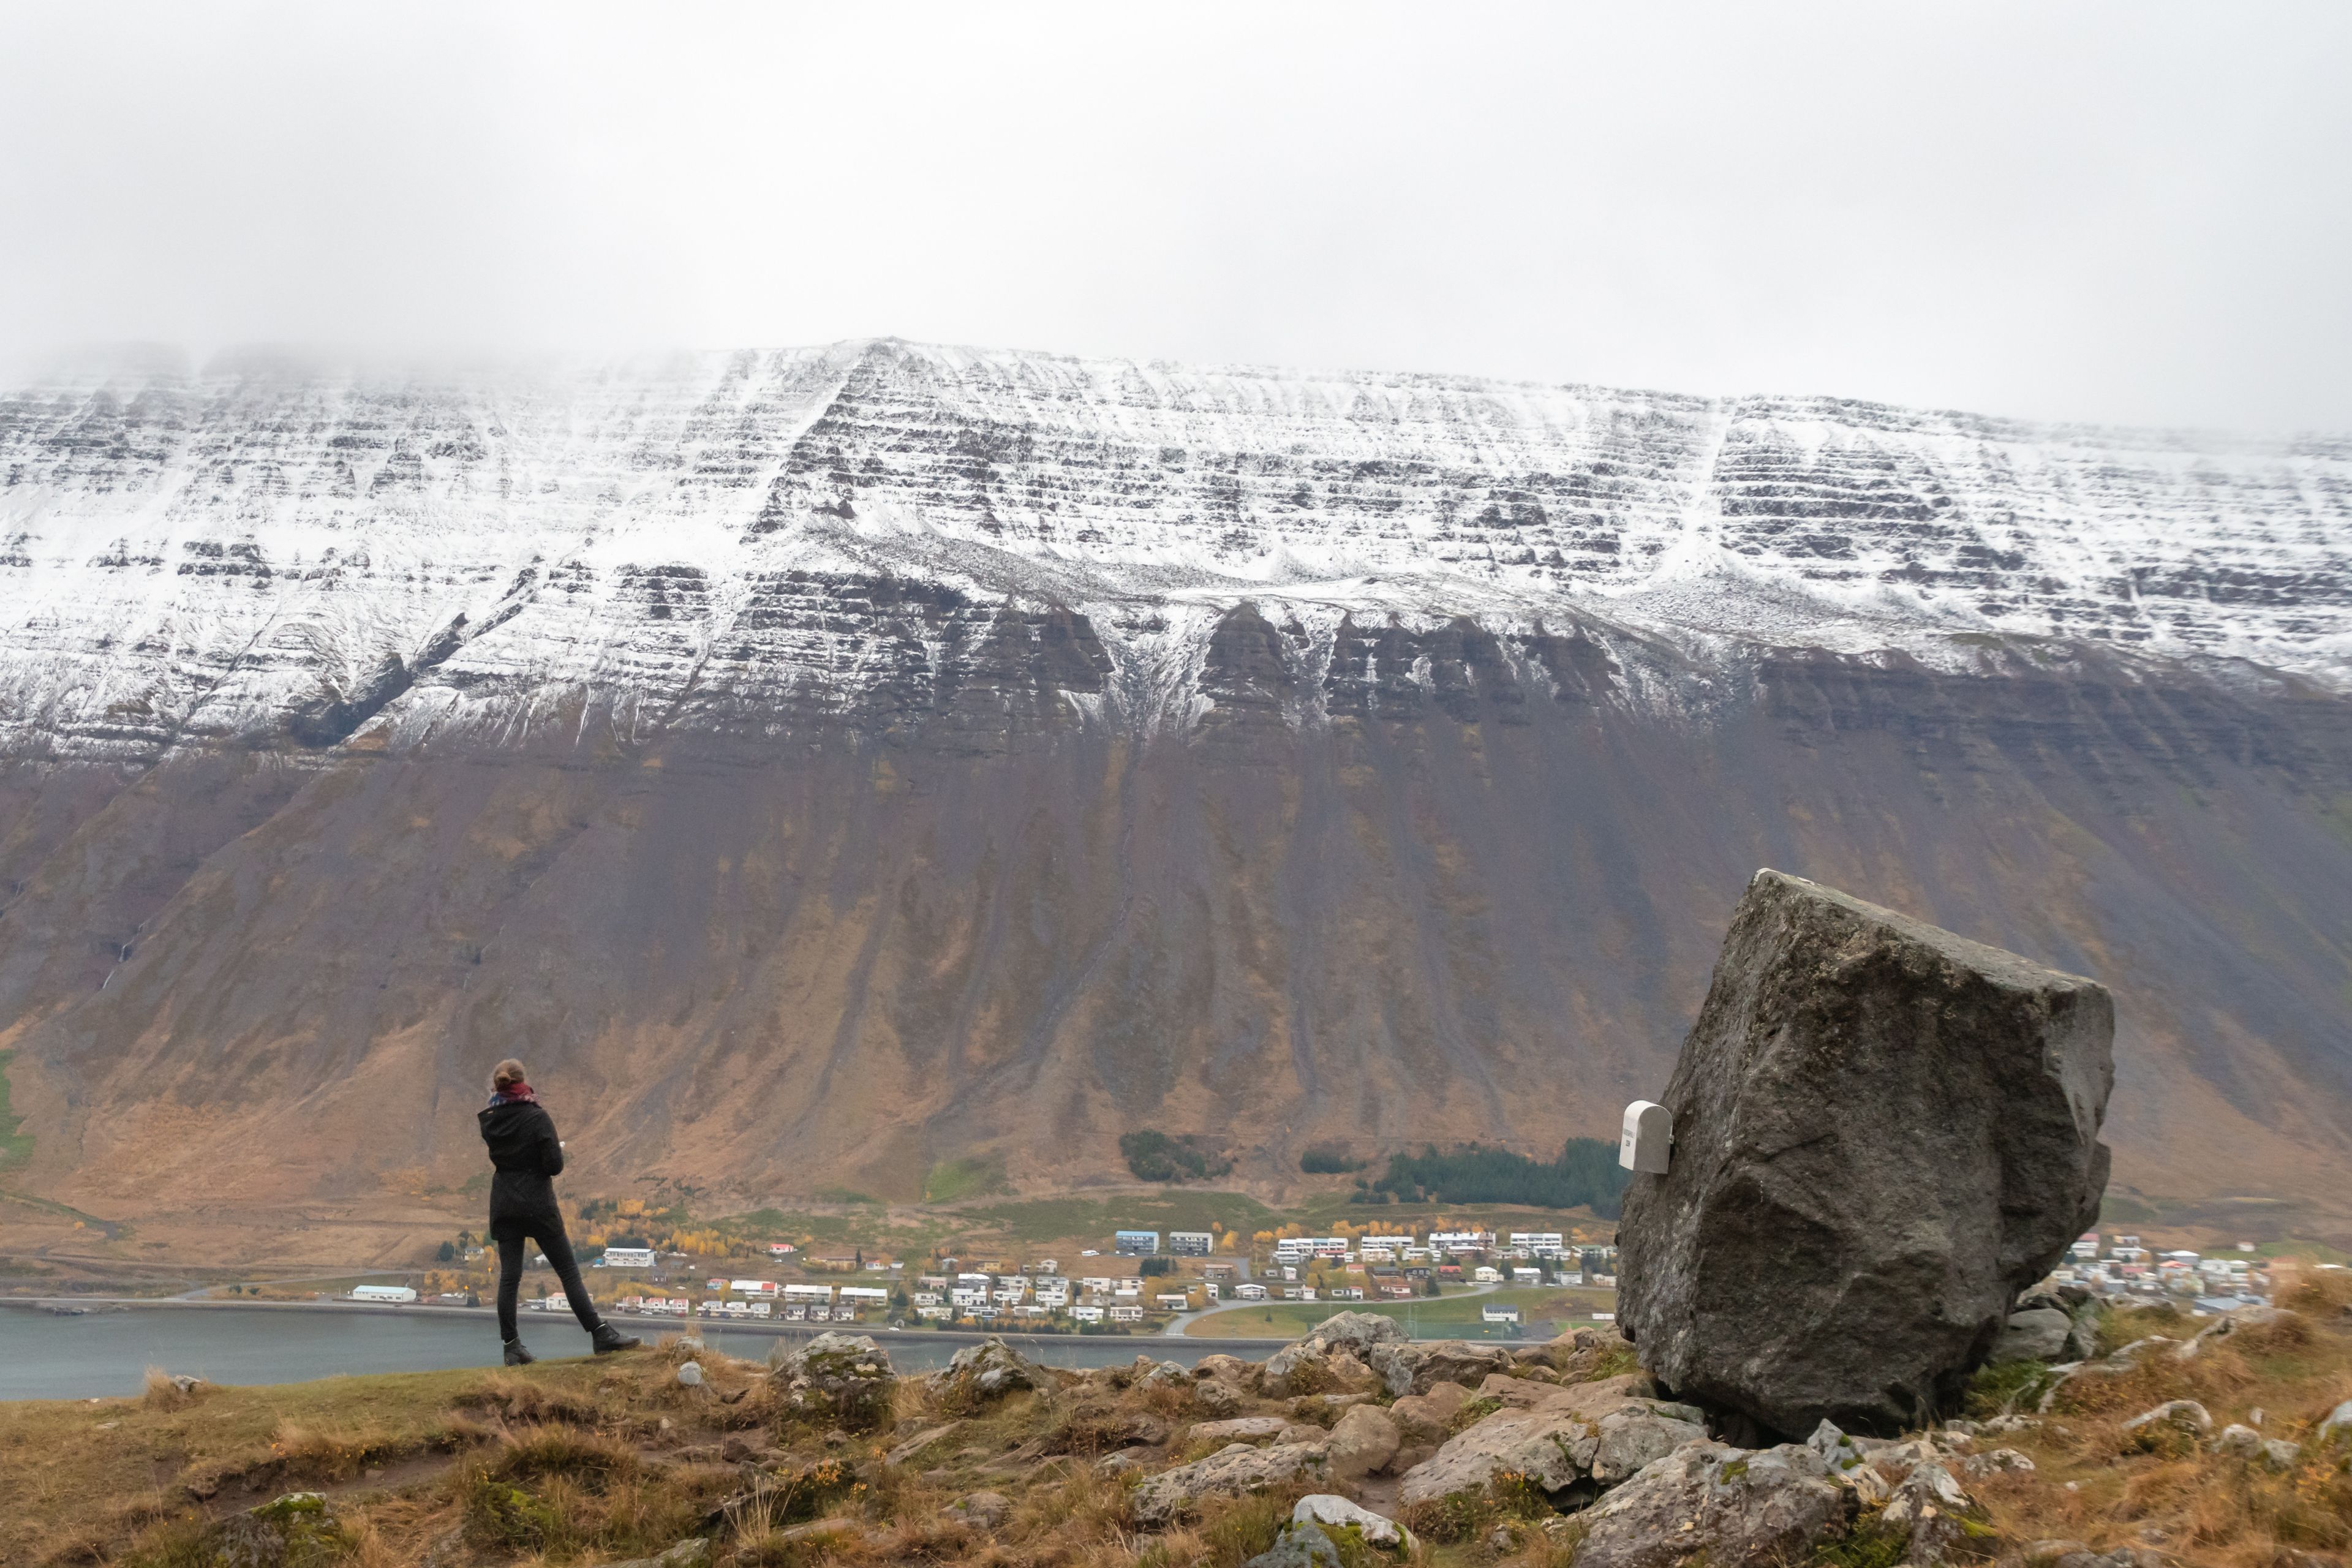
<point x="1455" y="1312"/>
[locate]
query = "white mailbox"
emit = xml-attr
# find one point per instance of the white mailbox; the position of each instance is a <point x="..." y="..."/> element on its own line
<point x="1649" y="1138"/>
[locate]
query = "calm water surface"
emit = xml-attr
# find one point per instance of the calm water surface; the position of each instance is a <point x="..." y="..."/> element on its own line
<point x="108" y="1353"/>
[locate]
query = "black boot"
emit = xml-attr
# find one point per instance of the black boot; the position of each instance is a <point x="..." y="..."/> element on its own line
<point x="517" y="1355"/>
<point x="610" y="1339"/>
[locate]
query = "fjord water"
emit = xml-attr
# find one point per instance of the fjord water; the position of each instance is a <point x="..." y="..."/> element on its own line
<point x="107" y="1353"/>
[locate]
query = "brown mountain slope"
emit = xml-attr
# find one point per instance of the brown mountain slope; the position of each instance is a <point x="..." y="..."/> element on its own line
<point x="765" y="967"/>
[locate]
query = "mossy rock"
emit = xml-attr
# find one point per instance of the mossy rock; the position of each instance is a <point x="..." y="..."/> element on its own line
<point x="297" y="1530"/>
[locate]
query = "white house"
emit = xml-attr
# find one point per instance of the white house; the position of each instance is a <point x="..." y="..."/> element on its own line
<point x="394" y="1293"/>
<point x="1499" y="1314"/>
<point x="1486" y="1273"/>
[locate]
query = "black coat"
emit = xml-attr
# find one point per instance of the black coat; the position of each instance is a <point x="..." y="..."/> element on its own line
<point x="528" y="1157"/>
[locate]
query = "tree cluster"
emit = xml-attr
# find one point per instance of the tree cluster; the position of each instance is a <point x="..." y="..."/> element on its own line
<point x="1586" y="1173"/>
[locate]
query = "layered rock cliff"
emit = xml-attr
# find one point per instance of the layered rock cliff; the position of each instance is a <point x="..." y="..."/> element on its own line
<point x="830" y="763"/>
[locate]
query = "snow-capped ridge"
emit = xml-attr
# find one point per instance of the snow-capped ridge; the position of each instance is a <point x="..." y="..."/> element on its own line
<point x="802" y="534"/>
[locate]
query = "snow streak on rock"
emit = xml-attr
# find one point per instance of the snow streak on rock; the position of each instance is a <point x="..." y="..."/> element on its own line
<point x="880" y="534"/>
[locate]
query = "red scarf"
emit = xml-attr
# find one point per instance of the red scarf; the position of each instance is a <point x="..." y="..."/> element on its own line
<point x="515" y="1094"/>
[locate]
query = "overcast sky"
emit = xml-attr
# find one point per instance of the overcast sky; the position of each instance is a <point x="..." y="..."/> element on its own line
<point x="2137" y="212"/>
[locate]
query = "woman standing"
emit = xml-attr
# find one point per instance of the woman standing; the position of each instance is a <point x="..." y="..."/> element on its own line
<point x="528" y="1157"/>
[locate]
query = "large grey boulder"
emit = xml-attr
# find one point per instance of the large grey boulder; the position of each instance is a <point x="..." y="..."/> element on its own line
<point x="1728" y="1507"/>
<point x="1882" y="1133"/>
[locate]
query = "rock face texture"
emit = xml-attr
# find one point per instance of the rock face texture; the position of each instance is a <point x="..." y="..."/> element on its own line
<point x="845" y="1378"/>
<point x="1584" y="1437"/>
<point x="1882" y="1133"/>
<point x="1733" y="1507"/>
<point x="828" y="765"/>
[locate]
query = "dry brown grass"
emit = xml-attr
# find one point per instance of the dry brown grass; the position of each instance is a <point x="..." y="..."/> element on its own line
<point x="159" y="1392"/>
<point x="2177" y="1495"/>
<point x="563" y="1464"/>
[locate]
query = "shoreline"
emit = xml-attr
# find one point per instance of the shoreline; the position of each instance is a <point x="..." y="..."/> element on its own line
<point x="881" y="1333"/>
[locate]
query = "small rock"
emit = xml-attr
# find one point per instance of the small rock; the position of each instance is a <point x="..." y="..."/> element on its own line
<point x="2039" y="1335"/>
<point x="1845" y="1460"/>
<point x="1555" y="1446"/>
<point x="2238" y="1442"/>
<point x="298" y="1528"/>
<point x="2236" y="1323"/>
<point x="1409" y="1368"/>
<point x="978" y="1375"/>
<point x="1305" y="1365"/>
<point x="1117" y="1462"/>
<point x="1428" y="1414"/>
<point x="1334" y="1512"/>
<point x="1933" y="1509"/>
<point x="2337" y="1424"/>
<point x="919" y="1442"/>
<point x="2281" y="1455"/>
<point x="1731" y="1506"/>
<point x="1236" y="1471"/>
<point x="1217" y="1398"/>
<point x="1240" y="1429"/>
<point x="1299" y="1546"/>
<point x="689" y="1374"/>
<point x="693" y="1553"/>
<point x="1315" y="1402"/>
<point x="981" y="1510"/>
<point x="842" y="1377"/>
<point x="1995" y="1462"/>
<point x="2185" y="1417"/>
<point x="1167" y="1374"/>
<point x="1362" y="1442"/>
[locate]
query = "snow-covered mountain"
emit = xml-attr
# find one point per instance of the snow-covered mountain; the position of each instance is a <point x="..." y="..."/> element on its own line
<point x="830" y="766"/>
<point x="772" y="538"/>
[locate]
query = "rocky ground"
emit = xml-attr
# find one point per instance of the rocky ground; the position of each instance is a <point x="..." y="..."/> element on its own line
<point x="2176" y="1441"/>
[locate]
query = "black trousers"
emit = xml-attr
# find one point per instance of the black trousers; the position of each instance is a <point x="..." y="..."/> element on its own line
<point x="558" y="1248"/>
